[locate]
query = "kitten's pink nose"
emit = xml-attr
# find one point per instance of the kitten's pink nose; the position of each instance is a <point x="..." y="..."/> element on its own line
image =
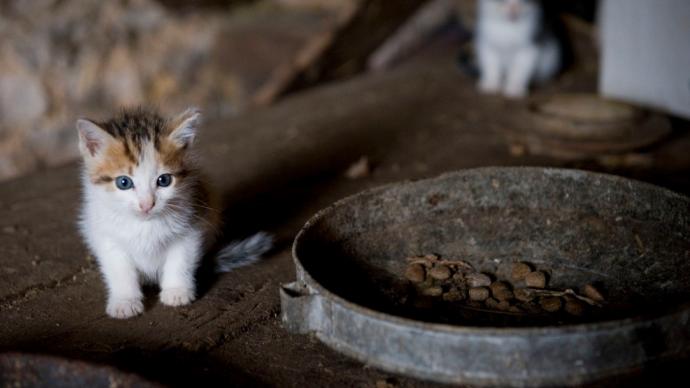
<point x="146" y="205"/>
<point x="514" y="11"/>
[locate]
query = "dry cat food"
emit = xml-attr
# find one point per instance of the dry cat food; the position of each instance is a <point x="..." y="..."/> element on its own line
<point x="525" y="292"/>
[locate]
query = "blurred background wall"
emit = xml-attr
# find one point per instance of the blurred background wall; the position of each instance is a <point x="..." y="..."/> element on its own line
<point x="646" y="53"/>
<point x="63" y="59"/>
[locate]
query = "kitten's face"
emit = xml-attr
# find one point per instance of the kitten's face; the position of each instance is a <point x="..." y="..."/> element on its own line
<point x="138" y="161"/>
<point x="509" y="10"/>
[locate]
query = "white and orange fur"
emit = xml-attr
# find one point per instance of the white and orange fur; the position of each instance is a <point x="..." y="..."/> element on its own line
<point x="513" y="46"/>
<point x="157" y="228"/>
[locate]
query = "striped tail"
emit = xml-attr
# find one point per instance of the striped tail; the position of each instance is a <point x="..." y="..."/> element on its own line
<point x="243" y="252"/>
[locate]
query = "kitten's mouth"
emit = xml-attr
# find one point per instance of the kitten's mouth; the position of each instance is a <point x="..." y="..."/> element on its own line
<point x="147" y="215"/>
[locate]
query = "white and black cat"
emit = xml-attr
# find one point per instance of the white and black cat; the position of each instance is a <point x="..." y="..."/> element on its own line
<point x="515" y="46"/>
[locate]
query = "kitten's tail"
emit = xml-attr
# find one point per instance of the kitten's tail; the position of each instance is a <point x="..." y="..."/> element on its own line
<point x="243" y="252"/>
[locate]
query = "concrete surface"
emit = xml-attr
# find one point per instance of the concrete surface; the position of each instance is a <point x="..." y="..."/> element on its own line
<point x="275" y="167"/>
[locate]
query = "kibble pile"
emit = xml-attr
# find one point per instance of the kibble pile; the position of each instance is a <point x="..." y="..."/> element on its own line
<point x="525" y="292"/>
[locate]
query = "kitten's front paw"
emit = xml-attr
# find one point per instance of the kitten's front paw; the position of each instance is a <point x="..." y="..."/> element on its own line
<point x="489" y="87"/>
<point x="177" y="296"/>
<point x="515" y="92"/>
<point x="124" y="308"/>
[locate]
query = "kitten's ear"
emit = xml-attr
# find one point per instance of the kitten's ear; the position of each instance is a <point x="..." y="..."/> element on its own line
<point x="92" y="138"/>
<point x="184" y="127"/>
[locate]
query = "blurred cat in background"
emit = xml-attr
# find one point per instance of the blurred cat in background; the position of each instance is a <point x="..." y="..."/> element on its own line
<point x="515" y="46"/>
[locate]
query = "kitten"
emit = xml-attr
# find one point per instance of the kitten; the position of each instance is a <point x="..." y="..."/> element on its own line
<point x="147" y="215"/>
<point x="514" y="46"/>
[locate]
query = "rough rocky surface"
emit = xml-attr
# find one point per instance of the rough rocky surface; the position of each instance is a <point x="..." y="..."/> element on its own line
<point x="60" y="60"/>
<point x="275" y="168"/>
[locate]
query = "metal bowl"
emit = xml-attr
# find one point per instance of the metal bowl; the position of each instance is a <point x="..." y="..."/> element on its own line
<point x="630" y="237"/>
<point x="577" y="126"/>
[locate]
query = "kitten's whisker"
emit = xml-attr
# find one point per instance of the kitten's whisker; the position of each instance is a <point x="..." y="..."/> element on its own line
<point x="183" y="218"/>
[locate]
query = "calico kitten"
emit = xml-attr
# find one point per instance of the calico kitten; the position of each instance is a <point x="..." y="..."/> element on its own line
<point x="514" y="46"/>
<point x="147" y="214"/>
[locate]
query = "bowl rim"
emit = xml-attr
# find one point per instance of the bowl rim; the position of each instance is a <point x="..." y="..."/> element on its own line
<point x="554" y="330"/>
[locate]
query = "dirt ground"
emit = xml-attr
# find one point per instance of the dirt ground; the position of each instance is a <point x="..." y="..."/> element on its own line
<point x="275" y="167"/>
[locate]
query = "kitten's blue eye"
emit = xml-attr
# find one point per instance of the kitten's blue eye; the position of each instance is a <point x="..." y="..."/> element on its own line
<point x="124" y="182"/>
<point x="164" y="180"/>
